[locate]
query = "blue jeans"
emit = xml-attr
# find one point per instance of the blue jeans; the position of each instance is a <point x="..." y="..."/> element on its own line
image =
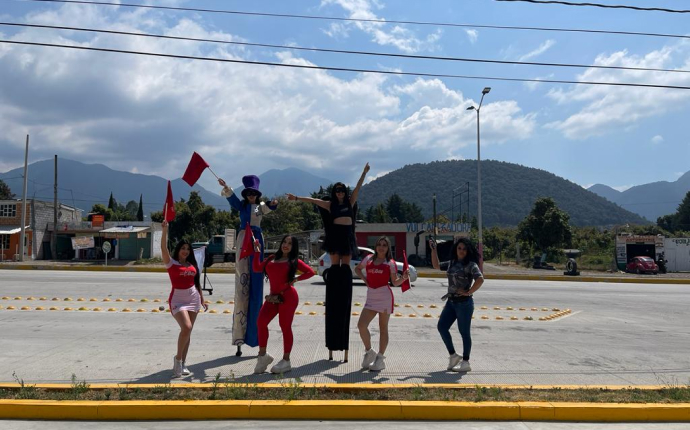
<point x="462" y="312"/>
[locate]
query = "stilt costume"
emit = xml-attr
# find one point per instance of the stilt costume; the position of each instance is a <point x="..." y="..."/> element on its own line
<point x="249" y="286"/>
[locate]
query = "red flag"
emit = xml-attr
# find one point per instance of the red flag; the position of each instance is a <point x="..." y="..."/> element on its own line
<point x="405" y="285"/>
<point x="169" y="209"/>
<point x="196" y="167"/>
<point x="247" y="243"/>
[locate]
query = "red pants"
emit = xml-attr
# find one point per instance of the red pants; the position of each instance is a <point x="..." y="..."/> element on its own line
<point x="285" y="312"/>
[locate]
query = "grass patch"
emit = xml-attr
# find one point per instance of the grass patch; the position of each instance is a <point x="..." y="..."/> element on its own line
<point x="228" y="389"/>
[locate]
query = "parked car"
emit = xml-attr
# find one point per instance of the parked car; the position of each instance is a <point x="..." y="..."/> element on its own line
<point x="642" y="265"/>
<point x="325" y="264"/>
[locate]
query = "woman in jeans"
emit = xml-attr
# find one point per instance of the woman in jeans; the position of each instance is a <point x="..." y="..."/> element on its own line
<point x="464" y="279"/>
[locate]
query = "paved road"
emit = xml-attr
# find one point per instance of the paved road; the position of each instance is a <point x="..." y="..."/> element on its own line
<point x="616" y="333"/>
<point x="285" y="425"/>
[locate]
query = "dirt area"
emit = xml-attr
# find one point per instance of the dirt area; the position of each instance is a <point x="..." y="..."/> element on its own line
<point x="224" y="390"/>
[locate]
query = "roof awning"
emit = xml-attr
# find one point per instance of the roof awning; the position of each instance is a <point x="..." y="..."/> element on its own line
<point x="128" y="229"/>
<point x="11" y="229"/>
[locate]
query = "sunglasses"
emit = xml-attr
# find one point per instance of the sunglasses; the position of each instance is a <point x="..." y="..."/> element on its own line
<point x="251" y="193"/>
<point x="340" y="191"/>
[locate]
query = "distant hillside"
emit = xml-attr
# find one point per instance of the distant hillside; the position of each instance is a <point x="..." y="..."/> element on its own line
<point x="605" y="191"/>
<point x="87" y="184"/>
<point x="649" y="200"/>
<point x="291" y="180"/>
<point x="508" y="192"/>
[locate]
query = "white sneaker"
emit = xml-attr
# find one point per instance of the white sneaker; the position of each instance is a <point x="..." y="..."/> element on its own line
<point x="177" y="368"/>
<point x="369" y="358"/>
<point x="378" y="364"/>
<point x="462" y="367"/>
<point x="283" y="366"/>
<point x="185" y="371"/>
<point x="453" y="361"/>
<point x="262" y="363"/>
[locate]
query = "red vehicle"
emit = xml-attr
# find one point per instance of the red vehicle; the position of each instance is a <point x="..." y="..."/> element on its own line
<point x="641" y="265"/>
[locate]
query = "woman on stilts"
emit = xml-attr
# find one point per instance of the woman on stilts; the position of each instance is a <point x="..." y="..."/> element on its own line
<point x="186" y="298"/>
<point x="378" y="270"/>
<point x="282" y="301"/>
<point x="339" y="219"/>
<point x="464" y="279"/>
<point x="249" y="286"/>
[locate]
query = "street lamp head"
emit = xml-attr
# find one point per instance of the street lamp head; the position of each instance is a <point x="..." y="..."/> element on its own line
<point x="486" y="90"/>
<point x="471" y="108"/>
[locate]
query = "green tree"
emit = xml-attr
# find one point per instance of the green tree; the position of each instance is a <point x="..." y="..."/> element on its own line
<point x="379" y="214"/>
<point x="396" y="208"/>
<point x="130" y="211"/>
<point x="140" y="210"/>
<point x="112" y="204"/>
<point x="413" y="213"/>
<point x="5" y="192"/>
<point x="546" y="226"/>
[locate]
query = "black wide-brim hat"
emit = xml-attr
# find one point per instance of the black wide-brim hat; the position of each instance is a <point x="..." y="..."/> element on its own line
<point x="251" y="182"/>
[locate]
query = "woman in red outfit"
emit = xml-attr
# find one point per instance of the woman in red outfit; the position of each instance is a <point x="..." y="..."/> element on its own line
<point x="186" y="299"/>
<point x="281" y="270"/>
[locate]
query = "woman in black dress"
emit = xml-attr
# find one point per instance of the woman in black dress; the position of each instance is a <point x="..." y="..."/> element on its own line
<point x="339" y="218"/>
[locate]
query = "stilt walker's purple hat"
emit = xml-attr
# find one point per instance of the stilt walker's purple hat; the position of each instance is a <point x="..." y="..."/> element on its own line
<point x="251" y="182"/>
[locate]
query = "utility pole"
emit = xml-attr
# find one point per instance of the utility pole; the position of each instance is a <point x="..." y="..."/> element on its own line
<point x="22" y="236"/>
<point x="435" y="229"/>
<point x="53" y="239"/>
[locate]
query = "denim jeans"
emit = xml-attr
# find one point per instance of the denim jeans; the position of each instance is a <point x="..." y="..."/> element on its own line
<point x="462" y="312"/>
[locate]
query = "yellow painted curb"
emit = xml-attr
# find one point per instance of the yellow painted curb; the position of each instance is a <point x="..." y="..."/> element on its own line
<point x="341" y="410"/>
<point x="443" y="411"/>
<point x="325" y="410"/>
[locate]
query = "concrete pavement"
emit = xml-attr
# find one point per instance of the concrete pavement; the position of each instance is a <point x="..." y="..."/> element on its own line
<point x="616" y="334"/>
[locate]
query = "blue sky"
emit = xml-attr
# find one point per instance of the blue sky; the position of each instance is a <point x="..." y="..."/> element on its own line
<point x="147" y="115"/>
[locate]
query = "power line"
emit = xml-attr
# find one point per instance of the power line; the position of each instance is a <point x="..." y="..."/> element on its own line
<point x="338" y="51"/>
<point x="381" y="21"/>
<point x="600" y="5"/>
<point x="348" y="69"/>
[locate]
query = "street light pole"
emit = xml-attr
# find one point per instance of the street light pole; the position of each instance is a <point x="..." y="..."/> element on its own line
<point x="480" y="246"/>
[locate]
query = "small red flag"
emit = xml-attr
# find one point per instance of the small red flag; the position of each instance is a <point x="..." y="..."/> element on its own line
<point x="169" y="209"/>
<point x="247" y="243"/>
<point x="406" y="284"/>
<point x="196" y="167"/>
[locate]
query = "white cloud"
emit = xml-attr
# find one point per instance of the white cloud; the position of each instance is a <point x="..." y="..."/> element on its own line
<point x="473" y="35"/>
<point x="548" y="44"/>
<point x="381" y="33"/>
<point x="657" y="139"/>
<point x="153" y="112"/>
<point x="606" y="108"/>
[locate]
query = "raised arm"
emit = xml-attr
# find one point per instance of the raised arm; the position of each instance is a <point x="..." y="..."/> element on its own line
<point x="318" y="202"/>
<point x="165" y="253"/>
<point x="305" y="270"/>
<point x="230" y="195"/>
<point x="434" y="255"/>
<point x="355" y="193"/>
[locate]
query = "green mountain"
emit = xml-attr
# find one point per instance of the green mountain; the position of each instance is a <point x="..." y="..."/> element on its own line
<point x="508" y="192"/>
